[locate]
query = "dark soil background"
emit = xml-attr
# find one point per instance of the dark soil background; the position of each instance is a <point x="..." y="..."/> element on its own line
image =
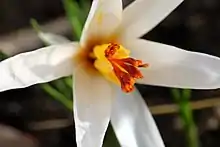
<point x="194" y="25"/>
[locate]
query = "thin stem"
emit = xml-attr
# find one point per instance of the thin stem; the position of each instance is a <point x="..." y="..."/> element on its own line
<point x="57" y="95"/>
<point x="69" y="82"/>
<point x="72" y="12"/>
<point x="35" y="25"/>
<point x="61" y="86"/>
<point x="189" y="124"/>
<point x="186" y="115"/>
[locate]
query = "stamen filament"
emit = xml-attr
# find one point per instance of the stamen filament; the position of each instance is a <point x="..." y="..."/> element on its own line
<point x="125" y="69"/>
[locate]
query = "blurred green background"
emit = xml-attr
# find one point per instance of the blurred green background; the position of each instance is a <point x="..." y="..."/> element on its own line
<point x="41" y="115"/>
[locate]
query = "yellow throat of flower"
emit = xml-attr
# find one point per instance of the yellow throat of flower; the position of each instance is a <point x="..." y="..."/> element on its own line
<point x="115" y="64"/>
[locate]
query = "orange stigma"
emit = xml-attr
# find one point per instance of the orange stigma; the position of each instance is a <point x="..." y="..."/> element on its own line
<point x="125" y="68"/>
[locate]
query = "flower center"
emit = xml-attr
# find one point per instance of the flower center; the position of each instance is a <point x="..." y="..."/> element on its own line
<point x="113" y="61"/>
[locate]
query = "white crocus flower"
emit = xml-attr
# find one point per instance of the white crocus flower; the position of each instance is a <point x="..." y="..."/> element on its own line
<point x="101" y="60"/>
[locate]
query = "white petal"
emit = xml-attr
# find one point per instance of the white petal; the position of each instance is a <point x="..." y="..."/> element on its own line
<point x="174" y="67"/>
<point x="104" y="18"/>
<point x="92" y="108"/>
<point x="143" y="15"/>
<point x="53" y="39"/>
<point x="133" y="123"/>
<point x="42" y="65"/>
